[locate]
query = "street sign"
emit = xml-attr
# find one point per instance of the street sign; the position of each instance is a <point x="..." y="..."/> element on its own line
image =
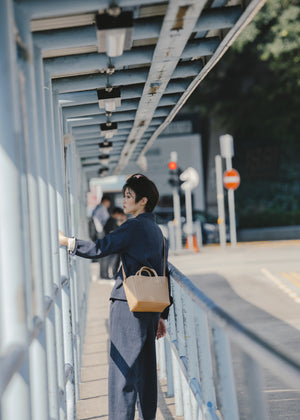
<point x="231" y="179"/>
<point x="191" y="178"/>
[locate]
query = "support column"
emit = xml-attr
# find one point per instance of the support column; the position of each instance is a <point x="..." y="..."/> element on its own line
<point x="12" y="265"/>
<point x="48" y="272"/>
<point x="35" y="287"/>
<point x="64" y="267"/>
<point x="53" y="211"/>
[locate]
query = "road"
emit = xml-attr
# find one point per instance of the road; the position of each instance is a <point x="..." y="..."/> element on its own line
<point x="258" y="284"/>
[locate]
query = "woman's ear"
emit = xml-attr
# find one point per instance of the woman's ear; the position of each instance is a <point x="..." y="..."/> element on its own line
<point x="144" y="201"/>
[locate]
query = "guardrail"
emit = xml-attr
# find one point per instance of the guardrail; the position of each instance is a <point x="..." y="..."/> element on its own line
<point x="195" y="358"/>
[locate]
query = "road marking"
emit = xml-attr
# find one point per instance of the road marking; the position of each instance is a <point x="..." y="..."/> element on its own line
<point x="281" y="285"/>
<point x="291" y="277"/>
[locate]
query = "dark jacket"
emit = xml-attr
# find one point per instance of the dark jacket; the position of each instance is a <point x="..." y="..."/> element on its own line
<point x="139" y="241"/>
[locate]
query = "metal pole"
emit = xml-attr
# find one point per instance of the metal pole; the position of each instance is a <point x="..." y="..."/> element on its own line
<point x="38" y="355"/>
<point x="229" y="407"/>
<point x="58" y="380"/>
<point x="220" y="201"/>
<point x="171" y="230"/>
<point x="189" y="217"/>
<point x="45" y="163"/>
<point x="66" y="305"/>
<point x="13" y="302"/>
<point x="177" y="218"/>
<point x="231" y="207"/>
<point x="253" y="382"/>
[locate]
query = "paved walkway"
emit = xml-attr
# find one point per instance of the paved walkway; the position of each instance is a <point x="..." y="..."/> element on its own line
<point x="93" y="403"/>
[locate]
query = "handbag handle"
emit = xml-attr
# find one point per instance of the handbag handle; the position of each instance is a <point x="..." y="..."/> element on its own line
<point x="148" y="268"/>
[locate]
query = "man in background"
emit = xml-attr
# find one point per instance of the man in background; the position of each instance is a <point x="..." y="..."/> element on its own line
<point x="97" y="221"/>
<point x="100" y="215"/>
<point x="113" y="261"/>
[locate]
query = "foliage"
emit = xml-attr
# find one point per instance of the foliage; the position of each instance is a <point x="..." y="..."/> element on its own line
<point x="254" y="93"/>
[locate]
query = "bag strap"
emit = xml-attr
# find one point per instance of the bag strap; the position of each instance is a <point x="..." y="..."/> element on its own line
<point x="164" y="272"/>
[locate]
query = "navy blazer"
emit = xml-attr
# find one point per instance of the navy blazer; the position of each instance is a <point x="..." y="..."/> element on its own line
<point x="139" y="241"/>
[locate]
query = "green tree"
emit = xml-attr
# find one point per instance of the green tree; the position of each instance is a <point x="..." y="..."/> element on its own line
<point x="254" y="93"/>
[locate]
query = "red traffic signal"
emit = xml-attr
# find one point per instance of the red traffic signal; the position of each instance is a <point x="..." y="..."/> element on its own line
<point x="172" y="165"/>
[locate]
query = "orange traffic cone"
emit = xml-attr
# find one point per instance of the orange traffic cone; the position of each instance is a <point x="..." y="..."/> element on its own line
<point x="195" y="245"/>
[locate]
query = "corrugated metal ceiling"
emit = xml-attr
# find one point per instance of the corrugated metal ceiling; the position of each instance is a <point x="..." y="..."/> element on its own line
<point x="174" y="45"/>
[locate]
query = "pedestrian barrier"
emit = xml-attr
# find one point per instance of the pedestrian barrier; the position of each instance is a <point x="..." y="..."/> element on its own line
<point x="195" y="358"/>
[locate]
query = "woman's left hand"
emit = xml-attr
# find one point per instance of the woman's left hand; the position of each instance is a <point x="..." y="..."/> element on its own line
<point x="63" y="240"/>
<point x="162" y="329"/>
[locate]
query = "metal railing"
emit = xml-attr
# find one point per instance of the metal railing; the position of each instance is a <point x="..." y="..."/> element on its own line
<point x="195" y="358"/>
<point x="43" y="295"/>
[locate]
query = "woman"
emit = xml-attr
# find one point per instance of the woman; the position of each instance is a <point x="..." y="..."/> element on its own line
<point x="132" y="363"/>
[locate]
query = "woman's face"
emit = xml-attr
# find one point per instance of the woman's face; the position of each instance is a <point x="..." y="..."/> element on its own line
<point x="129" y="204"/>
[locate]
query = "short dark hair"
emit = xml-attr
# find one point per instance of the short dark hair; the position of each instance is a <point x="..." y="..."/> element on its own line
<point x="117" y="210"/>
<point x="143" y="187"/>
<point x="105" y="197"/>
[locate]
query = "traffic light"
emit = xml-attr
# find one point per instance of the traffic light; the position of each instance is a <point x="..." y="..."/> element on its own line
<point x="174" y="171"/>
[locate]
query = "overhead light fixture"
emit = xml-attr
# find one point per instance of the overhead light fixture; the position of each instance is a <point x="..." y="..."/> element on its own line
<point x="109" y="98"/>
<point x="102" y="171"/>
<point x="109" y="129"/>
<point x="104" y="159"/>
<point x="105" y="147"/>
<point x="114" y="32"/>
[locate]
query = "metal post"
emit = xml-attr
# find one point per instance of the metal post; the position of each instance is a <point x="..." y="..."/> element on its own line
<point x="71" y="173"/>
<point x="177" y="386"/>
<point x="231" y="207"/>
<point x="205" y="362"/>
<point x="162" y="359"/>
<point x="227" y="151"/>
<point x="189" y="217"/>
<point x="220" y="201"/>
<point x="45" y="163"/>
<point x="58" y="381"/>
<point x="170" y="384"/>
<point x="177" y="218"/>
<point x="38" y="355"/>
<point x="229" y="407"/>
<point x="13" y="302"/>
<point x="187" y="407"/>
<point x="253" y="382"/>
<point x="66" y="306"/>
<point x="171" y="230"/>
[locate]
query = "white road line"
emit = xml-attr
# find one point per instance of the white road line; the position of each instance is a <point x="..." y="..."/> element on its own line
<point x="281" y="285"/>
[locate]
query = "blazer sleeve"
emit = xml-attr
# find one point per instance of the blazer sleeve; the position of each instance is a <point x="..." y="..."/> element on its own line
<point x="113" y="243"/>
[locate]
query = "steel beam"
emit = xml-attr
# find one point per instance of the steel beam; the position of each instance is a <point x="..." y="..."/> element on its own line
<point x="116" y="117"/>
<point x="79" y="63"/>
<point x="125" y="77"/>
<point x="51" y="8"/>
<point x="85" y="36"/>
<point x="129" y="105"/>
<point x="227" y="41"/>
<point x="127" y="92"/>
<point x="83" y="63"/>
<point x="176" y="30"/>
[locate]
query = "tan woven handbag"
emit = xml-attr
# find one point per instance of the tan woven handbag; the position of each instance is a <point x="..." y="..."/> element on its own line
<point x="147" y="293"/>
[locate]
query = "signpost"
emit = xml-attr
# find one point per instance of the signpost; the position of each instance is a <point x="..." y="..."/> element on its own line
<point x="231" y="180"/>
<point x="191" y="179"/>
